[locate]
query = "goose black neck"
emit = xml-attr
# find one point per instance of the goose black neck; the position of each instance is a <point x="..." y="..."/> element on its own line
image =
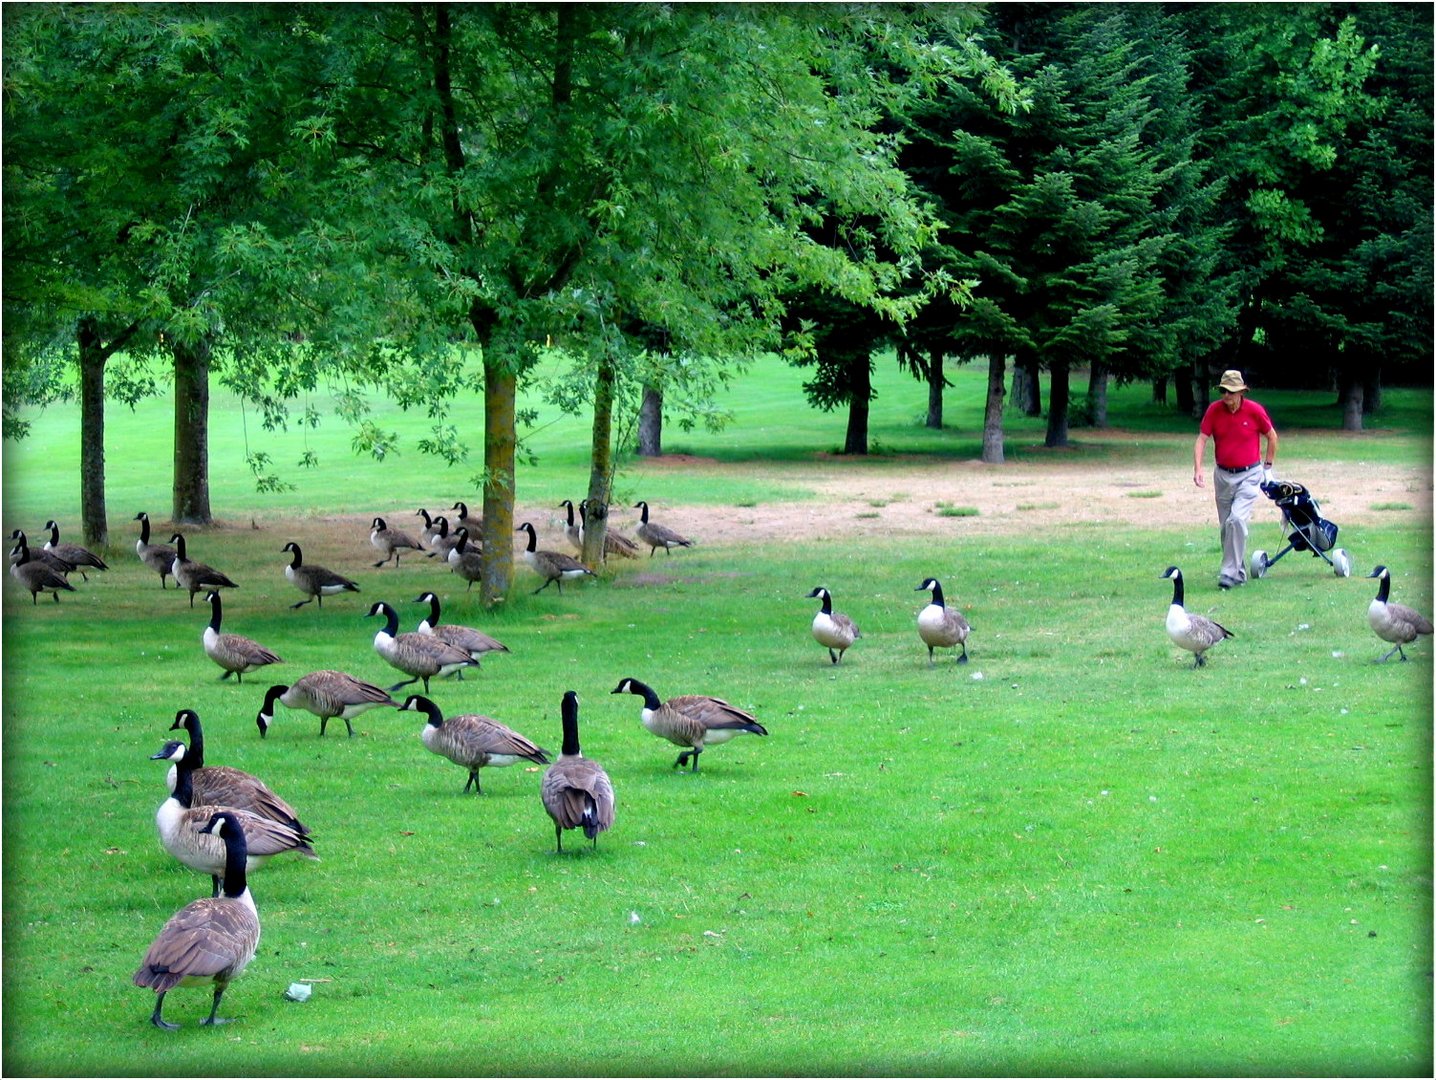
<point x="1383" y="589"/>
<point x="433" y="611"/>
<point x="937" y="594"/>
<point x="429" y="709"/>
<point x="54" y="533"/>
<point x="570" y="725"/>
<point x="24" y="552"/>
<point x="568" y="503"/>
<point x="643" y="506"/>
<point x="178" y="540"/>
<point x="296" y="556"/>
<point x="391" y="617"/>
<point x="827" y="602"/>
<point x="442" y="524"/>
<point x="646" y="692"/>
<point x="188" y="719"/>
<point x="236" y="856"/>
<point x="216" y="612"/>
<point x="1178" y="595"/>
<point x="184" y="782"/>
<point x="461" y="545"/>
<point x="533" y="537"/>
<point x="144" y="528"/>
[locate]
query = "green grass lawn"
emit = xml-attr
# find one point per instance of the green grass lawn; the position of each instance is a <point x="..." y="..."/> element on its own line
<point x="1073" y="855"/>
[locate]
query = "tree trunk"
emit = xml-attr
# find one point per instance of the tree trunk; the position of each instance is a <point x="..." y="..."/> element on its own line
<point x="650" y="423"/>
<point x="1201" y="390"/>
<point x="601" y="465"/>
<point x="1371" y="401"/>
<point x="500" y="440"/>
<point x="1097" y="393"/>
<point x="191" y="435"/>
<point x="1057" y="399"/>
<point x="93" y="356"/>
<point x="1159" y="390"/>
<point x="934" y="389"/>
<point x="992" y="414"/>
<point x="1027" y="385"/>
<point x="1353" y="396"/>
<point x="1186" y="401"/>
<point x="861" y="381"/>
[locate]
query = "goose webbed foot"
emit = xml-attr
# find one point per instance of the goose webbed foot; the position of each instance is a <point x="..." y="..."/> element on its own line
<point x="301" y="603"/>
<point x="158" y="1020"/>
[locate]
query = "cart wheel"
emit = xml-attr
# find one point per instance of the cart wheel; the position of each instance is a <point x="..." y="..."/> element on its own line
<point x="1259" y="564"/>
<point x="1341" y="562"/>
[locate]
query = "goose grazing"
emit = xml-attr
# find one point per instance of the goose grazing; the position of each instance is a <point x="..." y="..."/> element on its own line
<point x="158" y="557"/>
<point x="179" y="822"/>
<point x="832" y="629"/>
<point x="219" y="785"/>
<point x="551" y="565"/>
<point x="78" y="557"/>
<point x="693" y="721"/>
<point x="573" y="530"/>
<point x="465" y="559"/>
<point x="938" y="625"/>
<point x="45" y="557"/>
<point x="326" y="694"/>
<point x="442" y="541"/>
<point x="474" y="642"/>
<point x="658" y="536"/>
<point x="1395" y="623"/>
<point x="420" y="656"/>
<point x="315" y="582"/>
<point x="614" y="542"/>
<point x="471" y="741"/>
<point x="391" y="541"/>
<point x="1195" y="633"/>
<point x="235" y="653"/>
<point x="576" y="791"/>
<point x="35" y="575"/>
<point x="210" y="940"/>
<point x="195" y="576"/>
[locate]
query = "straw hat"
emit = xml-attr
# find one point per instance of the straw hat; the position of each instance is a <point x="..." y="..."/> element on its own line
<point x="1232" y="380"/>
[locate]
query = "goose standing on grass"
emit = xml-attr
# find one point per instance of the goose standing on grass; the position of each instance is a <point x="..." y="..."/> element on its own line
<point x="326" y="694"/>
<point x="78" y="557"/>
<point x="210" y="940"/>
<point x="158" y="557"/>
<point x="572" y="529"/>
<point x="45" y="557"/>
<point x="551" y="565"/>
<point x="1395" y="623"/>
<point x="391" y="542"/>
<point x="466" y="559"/>
<point x="658" y="536"/>
<point x="576" y="790"/>
<point x="474" y="642"/>
<point x="1195" y="633"/>
<point x="315" y="582"/>
<point x="179" y="822"/>
<point x="220" y="785"/>
<point x="693" y="721"/>
<point x="35" y="575"/>
<point x="472" y="741"/>
<point x="833" y="630"/>
<point x="195" y="576"/>
<point x="442" y="541"/>
<point x="939" y="626"/>
<point x="234" y="653"/>
<point x="614" y="542"/>
<point x="420" y="656"/>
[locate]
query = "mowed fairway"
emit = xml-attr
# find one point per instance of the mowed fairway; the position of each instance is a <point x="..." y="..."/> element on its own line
<point x="1074" y="854"/>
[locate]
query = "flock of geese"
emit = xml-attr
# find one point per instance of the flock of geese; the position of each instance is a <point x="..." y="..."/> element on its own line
<point x="225" y="823"/>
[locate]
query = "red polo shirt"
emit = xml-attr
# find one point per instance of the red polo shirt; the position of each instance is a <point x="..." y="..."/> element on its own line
<point x="1236" y="434"/>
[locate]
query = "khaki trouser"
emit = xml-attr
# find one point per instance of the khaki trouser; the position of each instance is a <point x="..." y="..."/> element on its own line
<point x="1236" y="494"/>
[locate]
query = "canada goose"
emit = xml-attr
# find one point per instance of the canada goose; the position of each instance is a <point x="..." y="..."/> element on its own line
<point x="235" y="653"/>
<point x="695" y="721"/>
<point x="158" y="557"/>
<point x="475" y="525"/>
<point x="833" y="629"/>
<point x="658" y="536"/>
<point x="61" y="566"/>
<point x="465" y="559"/>
<point x="940" y="627"/>
<point x="421" y="656"/>
<point x="471" y="741"/>
<point x="220" y="785"/>
<point x="195" y="576"/>
<point x="391" y="541"/>
<point x="210" y="940"/>
<point x="35" y="575"/>
<point x="1195" y="633"/>
<point x="576" y="791"/>
<point x="614" y="542"/>
<point x="179" y="822"/>
<point x="572" y="529"/>
<point x="77" y="556"/>
<point x="1395" y="623"/>
<point x="442" y="541"/>
<point x="430" y="529"/>
<point x="326" y="694"/>
<point x="474" y="642"/>
<point x="550" y="565"/>
<point x="315" y="582"/>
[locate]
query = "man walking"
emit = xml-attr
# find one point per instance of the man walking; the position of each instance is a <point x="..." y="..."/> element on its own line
<point x="1236" y="426"/>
